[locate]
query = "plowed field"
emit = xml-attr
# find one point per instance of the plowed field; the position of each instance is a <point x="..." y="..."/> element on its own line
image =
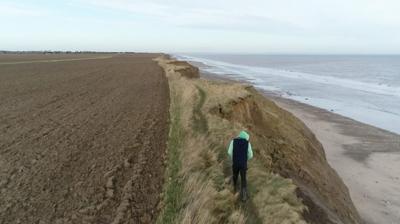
<point x="82" y="141"/>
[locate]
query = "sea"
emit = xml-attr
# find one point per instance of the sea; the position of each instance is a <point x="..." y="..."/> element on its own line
<point x="365" y="88"/>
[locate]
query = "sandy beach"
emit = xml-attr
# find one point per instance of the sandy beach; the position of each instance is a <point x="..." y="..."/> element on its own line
<point x="366" y="158"/>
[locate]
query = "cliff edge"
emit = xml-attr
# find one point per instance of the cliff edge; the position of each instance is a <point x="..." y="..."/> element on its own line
<point x="289" y="179"/>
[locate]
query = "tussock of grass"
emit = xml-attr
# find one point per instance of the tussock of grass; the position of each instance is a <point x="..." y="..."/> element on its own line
<point x="275" y="197"/>
<point x="204" y="171"/>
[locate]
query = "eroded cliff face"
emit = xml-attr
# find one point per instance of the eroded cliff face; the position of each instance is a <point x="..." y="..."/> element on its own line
<point x="185" y="69"/>
<point x="288" y="147"/>
<point x="283" y="144"/>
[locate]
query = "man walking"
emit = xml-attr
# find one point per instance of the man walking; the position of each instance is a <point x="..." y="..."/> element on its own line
<point x="240" y="151"/>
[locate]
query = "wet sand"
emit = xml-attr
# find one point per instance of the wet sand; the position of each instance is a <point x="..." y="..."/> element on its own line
<point x="367" y="159"/>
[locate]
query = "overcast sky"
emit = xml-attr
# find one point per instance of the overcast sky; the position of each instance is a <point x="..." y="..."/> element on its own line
<point x="231" y="26"/>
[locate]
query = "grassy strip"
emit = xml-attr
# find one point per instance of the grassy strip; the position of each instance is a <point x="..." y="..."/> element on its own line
<point x="174" y="186"/>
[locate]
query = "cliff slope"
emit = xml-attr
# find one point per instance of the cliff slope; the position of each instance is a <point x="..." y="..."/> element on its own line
<point x="290" y="180"/>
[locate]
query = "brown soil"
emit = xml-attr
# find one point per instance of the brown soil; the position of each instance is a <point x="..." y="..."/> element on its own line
<point x="82" y="141"/>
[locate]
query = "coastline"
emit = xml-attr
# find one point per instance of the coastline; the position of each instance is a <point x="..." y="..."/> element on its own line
<point x="290" y="180"/>
<point x="365" y="157"/>
<point x="364" y="97"/>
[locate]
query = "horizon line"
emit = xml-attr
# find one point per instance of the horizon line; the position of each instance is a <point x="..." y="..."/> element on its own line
<point x="198" y="52"/>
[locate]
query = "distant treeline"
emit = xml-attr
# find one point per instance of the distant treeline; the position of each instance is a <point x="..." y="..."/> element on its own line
<point x="62" y="52"/>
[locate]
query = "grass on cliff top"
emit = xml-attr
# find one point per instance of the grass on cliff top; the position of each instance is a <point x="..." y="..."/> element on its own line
<point x="273" y="198"/>
<point x="174" y="187"/>
<point x="199" y="189"/>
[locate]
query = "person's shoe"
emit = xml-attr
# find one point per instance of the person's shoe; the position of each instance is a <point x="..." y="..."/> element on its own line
<point x="243" y="194"/>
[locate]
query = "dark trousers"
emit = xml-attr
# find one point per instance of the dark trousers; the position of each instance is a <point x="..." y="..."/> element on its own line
<point x="242" y="170"/>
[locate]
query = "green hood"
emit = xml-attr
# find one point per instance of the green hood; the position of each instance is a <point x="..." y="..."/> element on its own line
<point x="244" y="135"/>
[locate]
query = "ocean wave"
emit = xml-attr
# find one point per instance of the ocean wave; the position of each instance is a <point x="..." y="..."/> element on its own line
<point x="256" y="75"/>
